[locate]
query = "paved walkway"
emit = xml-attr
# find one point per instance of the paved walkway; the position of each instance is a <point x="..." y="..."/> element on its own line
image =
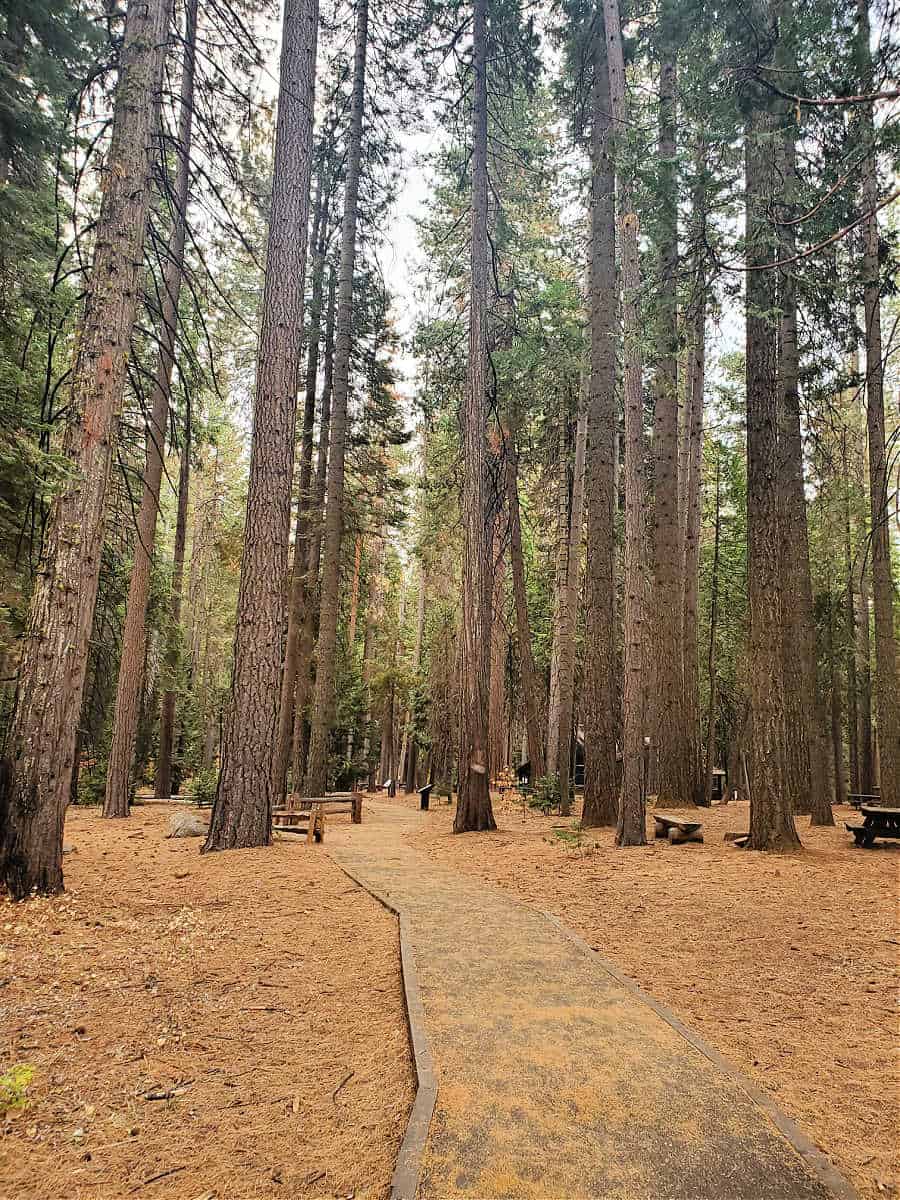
<point x="556" y="1079"/>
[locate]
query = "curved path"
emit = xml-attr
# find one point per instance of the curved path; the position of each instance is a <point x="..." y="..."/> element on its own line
<point x="558" y="1078"/>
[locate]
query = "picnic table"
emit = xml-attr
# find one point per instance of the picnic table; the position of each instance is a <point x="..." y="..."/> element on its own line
<point x="878" y="822"/>
<point x="676" y="829"/>
<point x="857" y="799"/>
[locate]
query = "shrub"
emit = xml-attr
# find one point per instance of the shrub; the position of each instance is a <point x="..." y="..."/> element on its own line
<point x="203" y="786"/>
<point x="545" y="796"/>
<point x="14" y="1086"/>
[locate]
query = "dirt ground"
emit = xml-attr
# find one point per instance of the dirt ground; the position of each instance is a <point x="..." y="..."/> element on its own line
<point x="225" y="1027"/>
<point x="788" y="965"/>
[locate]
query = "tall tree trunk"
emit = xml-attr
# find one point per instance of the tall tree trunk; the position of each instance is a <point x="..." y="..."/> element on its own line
<point x="771" y="815"/>
<point x="134" y="635"/>
<point x="322" y="715"/>
<point x="711" y="711"/>
<point x="887" y="685"/>
<point x="498" y="728"/>
<point x="806" y="752"/>
<point x="527" y="671"/>
<point x="316" y="524"/>
<point x="473" y="810"/>
<point x="693" y="464"/>
<point x="570" y="618"/>
<point x="354" y="594"/>
<point x="600" y="490"/>
<point x="837" y="719"/>
<point x="631" y="827"/>
<point x="417" y="663"/>
<point x="560" y="591"/>
<point x="36" y="773"/>
<point x="671" y="742"/>
<point x="851" y="633"/>
<point x="165" y="780"/>
<point x="864" y="682"/>
<point x="299" y="583"/>
<point x="248" y="783"/>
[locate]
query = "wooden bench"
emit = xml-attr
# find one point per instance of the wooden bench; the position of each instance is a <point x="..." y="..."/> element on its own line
<point x="332" y="803"/>
<point x="677" y="830"/>
<point x="295" y="822"/>
<point x="878" y="822"/>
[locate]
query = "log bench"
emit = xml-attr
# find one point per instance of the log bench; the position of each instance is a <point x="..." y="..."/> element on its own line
<point x="332" y="803"/>
<point x="297" y="822"/>
<point x="677" y="830"/>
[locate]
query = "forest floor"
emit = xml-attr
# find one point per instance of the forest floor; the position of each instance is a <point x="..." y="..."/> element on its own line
<point x="788" y="965"/>
<point x="223" y="1027"/>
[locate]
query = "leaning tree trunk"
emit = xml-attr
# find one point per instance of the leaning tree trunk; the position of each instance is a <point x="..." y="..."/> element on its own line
<point x="527" y="670"/>
<point x="473" y="810"/>
<point x="771" y="816"/>
<point x="803" y="687"/>
<point x="887" y="684"/>
<point x="242" y="813"/>
<point x="322" y="714"/>
<point x="671" y="749"/>
<point x="36" y="772"/>
<point x="134" y="636"/>
<point x="164" y="780"/>
<point x="600" y="489"/>
<point x="631" y="828"/>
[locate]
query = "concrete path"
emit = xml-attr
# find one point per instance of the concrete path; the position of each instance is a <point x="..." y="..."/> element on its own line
<point x="558" y="1080"/>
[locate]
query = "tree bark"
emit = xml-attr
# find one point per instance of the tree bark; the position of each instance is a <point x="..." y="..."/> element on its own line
<point x="527" y="671"/>
<point x="570" y="618"/>
<point x="473" y="809"/>
<point x="560" y="590"/>
<point x="600" y="490"/>
<point x="837" y="718"/>
<point x="36" y="772"/>
<point x="631" y="824"/>
<point x="166" y="781"/>
<point x="322" y="715"/>
<point x="134" y="634"/>
<point x="771" y="816"/>
<point x="300" y="583"/>
<point x="669" y="715"/>
<point x="864" y="680"/>
<point x="806" y="754"/>
<point x="887" y="685"/>
<point x="711" y="650"/>
<point x="850" y="642"/>
<point x="248" y="783"/>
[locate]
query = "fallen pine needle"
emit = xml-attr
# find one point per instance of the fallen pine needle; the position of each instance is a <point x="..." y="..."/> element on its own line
<point x="155" y="1178"/>
<point x="346" y="1079"/>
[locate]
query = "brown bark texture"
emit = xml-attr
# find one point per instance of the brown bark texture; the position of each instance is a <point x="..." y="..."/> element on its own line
<point x="36" y="773"/>
<point x="131" y="663"/>
<point x="242" y="811"/>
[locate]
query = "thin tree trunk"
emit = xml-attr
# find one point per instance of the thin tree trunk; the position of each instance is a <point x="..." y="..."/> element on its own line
<point x="322" y="715"/>
<point x="864" y="679"/>
<point x="851" y="634"/>
<point x="527" y="671"/>
<point x="134" y="634"/>
<point x="248" y="783"/>
<point x="693" y="462"/>
<point x="837" y="719"/>
<point x="417" y="663"/>
<point x="771" y="816"/>
<point x="668" y="711"/>
<point x="711" y="714"/>
<point x="165" y="774"/>
<point x="473" y="809"/>
<point x="570" y="612"/>
<point x="498" y="729"/>
<point x="600" y="490"/>
<point x="36" y="772"/>
<point x="299" y="583"/>
<point x="631" y="825"/>
<point x="560" y="591"/>
<point x="887" y="685"/>
<point x="806" y="753"/>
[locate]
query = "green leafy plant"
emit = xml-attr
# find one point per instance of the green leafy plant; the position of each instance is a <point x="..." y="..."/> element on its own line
<point x="202" y="788"/>
<point x="14" y="1087"/>
<point x="545" y="796"/>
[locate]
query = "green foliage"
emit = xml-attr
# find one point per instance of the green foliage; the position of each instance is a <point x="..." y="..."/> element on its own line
<point x="545" y="796"/>
<point x="202" y="788"/>
<point x="14" y="1085"/>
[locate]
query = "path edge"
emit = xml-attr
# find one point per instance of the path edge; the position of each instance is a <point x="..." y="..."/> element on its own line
<point x="410" y="1156"/>
<point x="816" y="1161"/>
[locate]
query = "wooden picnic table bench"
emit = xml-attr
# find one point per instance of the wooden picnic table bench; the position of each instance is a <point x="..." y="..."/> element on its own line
<point x="676" y="829"/>
<point x="878" y="822"/>
<point x="309" y="819"/>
